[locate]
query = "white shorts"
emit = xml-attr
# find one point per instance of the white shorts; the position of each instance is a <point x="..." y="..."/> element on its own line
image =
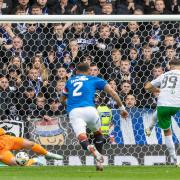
<point x="83" y="117"/>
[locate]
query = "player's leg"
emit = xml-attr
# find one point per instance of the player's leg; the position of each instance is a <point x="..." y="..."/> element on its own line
<point x="152" y="124"/>
<point x="170" y="145"/>
<point x="78" y="118"/>
<point x="21" y="143"/>
<point x="79" y="126"/>
<point x="164" y="121"/>
<point x="94" y="124"/>
<point x="98" y="141"/>
<point x="41" y="161"/>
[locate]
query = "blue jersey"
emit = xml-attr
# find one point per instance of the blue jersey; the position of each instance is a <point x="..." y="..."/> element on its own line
<point x="80" y="90"/>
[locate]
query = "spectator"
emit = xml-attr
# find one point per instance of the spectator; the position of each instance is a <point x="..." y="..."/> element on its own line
<point x="78" y="32"/>
<point x="133" y="58"/>
<point x="128" y="32"/>
<point x="6" y="6"/>
<point x="113" y="64"/>
<point x="16" y="60"/>
<point x="125" y="70"/>
<point x="36" y="10"/>
<point x="175" y="7"/>
<point x="136" y="42"/>
<point x="24" y="4"/>
<point x="61" y="74"/>
<point x="34" y="39"/>
<point x="160" y="7"/>
<point x="87" y="59"/>
<point x="43" y="4"/>
<point x="170" y="54"/>
<point x="6" y="35"/>
<point x="130" y="101"/>
<point x="1" y="5"/>
<point x="19" y="28"/>
<point x="157" y="71"/>
<point x="83" y="5"/>
<point x="74" y="51"/>
<point x="138" y="12"/>
<point x="110" y="102"/>
<point x="55" y="92"/>
<point x="106" y="42"/>
<point x="94" y="70"/>
<point x="7" y="99"/>
<point x="39" y="109"/>
<point x="56" y="39"/>
<point x="125" y="89"/>
<point x="122" y="7"/>
<point x="63" y="7"/>
<point x="90" y="10"/>
<point x="14" y="78"/>
<point x="20" y="11"/>
<point x="33" y="80"/>
<point x="146" y="63"/>
<point x="51" y="62"/>
<point x="68" y="64"/>
<point x="169" y="40"/>
<point x="25" y="99"/>
<point x="59" y="87"/>
<point x="107" y="9"/>
<point x="16" y="49"/>
<point x="37" y="63"/>
<point x="99" y="6"/>
<point x="123" y="73"/>
<point x="55" y="108"/>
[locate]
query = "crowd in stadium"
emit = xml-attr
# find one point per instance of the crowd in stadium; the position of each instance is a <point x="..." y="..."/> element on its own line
<point x="37" y="59"/>
<point x="89" y="7"/>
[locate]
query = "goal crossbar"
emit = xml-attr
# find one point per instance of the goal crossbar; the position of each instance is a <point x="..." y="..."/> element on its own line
<point x="85" y="18"/>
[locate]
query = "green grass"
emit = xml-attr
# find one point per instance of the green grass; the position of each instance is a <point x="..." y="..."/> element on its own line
<point x="89" y="173"/>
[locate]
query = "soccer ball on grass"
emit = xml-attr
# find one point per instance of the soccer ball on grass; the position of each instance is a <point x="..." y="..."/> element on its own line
<point x="22" y="158"/>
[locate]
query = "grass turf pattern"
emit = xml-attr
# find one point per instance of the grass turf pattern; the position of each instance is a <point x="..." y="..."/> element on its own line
<point x="89" y="173"/>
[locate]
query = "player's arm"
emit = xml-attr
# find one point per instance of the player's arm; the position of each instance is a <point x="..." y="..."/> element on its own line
<point x="115" y="96"/>
<point x="63" y="99"/>
<point x="64" y="96"/>
<point x="149" y="87"/>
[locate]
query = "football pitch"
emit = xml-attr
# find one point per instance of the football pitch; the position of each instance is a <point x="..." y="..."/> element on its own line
<point x="89" y="173"/>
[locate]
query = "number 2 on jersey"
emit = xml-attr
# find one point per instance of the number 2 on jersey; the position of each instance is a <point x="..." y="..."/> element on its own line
<point x="77" y="86"/>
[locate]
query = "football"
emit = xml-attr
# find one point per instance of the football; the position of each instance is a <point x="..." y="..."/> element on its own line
<point x="22" y="158"/>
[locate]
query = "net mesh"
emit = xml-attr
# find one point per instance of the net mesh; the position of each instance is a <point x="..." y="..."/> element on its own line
<point x="37" y="59"/>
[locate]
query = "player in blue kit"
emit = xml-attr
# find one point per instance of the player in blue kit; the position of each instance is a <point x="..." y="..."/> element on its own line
<point x="79" y="93"/>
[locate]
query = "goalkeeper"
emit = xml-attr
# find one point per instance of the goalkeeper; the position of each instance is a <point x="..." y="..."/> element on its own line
<point x="9" y="143"/>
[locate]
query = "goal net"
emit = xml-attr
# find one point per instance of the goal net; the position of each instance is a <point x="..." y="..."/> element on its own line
<point x="39" y="53"/>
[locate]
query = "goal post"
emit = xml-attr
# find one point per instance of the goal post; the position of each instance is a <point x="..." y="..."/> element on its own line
<point x="126" y="50"/>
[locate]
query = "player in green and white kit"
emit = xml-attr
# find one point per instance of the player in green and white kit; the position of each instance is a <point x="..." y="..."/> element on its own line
<point x="168" y="101"/>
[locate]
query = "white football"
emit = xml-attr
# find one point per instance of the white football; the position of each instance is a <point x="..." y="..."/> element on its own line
<point x="22" y="158"/>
